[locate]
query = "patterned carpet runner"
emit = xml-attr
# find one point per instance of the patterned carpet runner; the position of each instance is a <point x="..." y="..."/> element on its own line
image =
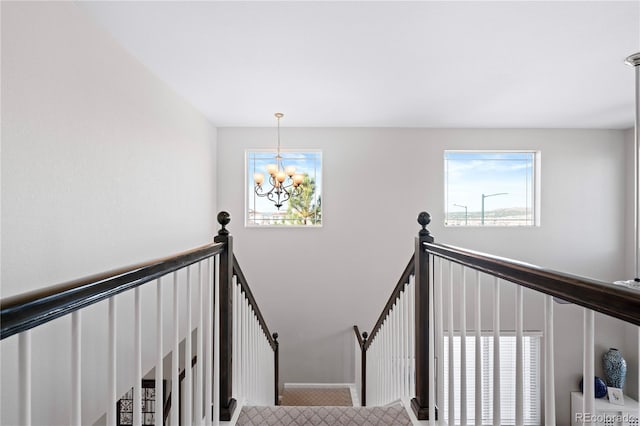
<point x="317" y="397"/>
<point x="323" y="416"/>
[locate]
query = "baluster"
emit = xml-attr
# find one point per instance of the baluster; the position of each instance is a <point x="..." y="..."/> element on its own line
<point x="432" y="350"/>
<point x="246" y="350"/>
<point x="405" y="342"/>
<point x="208" y="344"/>
<point x="519" y="355"/>
<point x="588" y="362"/>
<point x="451" y="399"/>
<point x="497" y="415"/>
<point x="24" y="372"/>
<point x="76" y="368"/>
<point x="137" y="384"/>
<point x="216" y="324"/>
<point x="395" y="334"/>
<point x="478" y="358"/>
<point x="252" y="366"/>
<point x="188" y="379"/>
<point x="385" y="337"/>
<point x="549" y="385"/>
<point x="236" y="339"/>
<point x="112" y="395"/>
<point x="440" y="337"/>
<point x="159" y="352"/>
<point x="463" y="347"/>
<point x="412" y="336"/>
<point x="175" y="356"/>
<point x="199" y="343"/>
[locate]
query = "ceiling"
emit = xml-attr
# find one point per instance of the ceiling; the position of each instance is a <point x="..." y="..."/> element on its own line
<point x="477" y="64"/>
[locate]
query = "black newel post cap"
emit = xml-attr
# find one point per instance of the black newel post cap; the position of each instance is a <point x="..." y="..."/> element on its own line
<point x="365" y="335"/>
<point x="223" y="219"/>
<point x="424" y="219"/>
<point x="275" y="337"/>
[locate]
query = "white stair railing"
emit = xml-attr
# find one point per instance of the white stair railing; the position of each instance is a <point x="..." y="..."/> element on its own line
<point x="255" y="350"/>
<point x="196" y="278"/>
<point x="463" y="370"/>
<point x="388" y="352"/>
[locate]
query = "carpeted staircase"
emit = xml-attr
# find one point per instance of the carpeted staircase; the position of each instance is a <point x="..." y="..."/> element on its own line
<point x="323" y="416"/>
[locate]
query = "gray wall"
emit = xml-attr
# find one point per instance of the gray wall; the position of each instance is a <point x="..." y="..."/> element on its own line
<point x="375" y="183"/>
<point x="102" y="166"/>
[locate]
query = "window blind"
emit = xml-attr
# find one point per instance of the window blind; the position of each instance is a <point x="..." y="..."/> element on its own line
<point x="531" y="363"/>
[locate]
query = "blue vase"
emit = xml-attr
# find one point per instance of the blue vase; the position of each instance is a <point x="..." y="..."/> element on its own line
<point x="600" y="387"/>
<point x="615" y="368"/>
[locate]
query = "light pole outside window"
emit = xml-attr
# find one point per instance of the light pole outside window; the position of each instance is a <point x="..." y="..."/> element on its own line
<point x="466" y="213"/>
<point x="487" y="196"/>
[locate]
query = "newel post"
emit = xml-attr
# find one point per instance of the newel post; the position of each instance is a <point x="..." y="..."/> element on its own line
<point x="363" y="370"/>
<point x="276" y="368"/>
<point x="227" y="403"/>
<point x="420" y="403"/>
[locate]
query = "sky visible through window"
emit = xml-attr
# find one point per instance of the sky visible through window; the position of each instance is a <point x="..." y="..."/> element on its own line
<point x="503" y="181"/>
<point x="262" y="212"/>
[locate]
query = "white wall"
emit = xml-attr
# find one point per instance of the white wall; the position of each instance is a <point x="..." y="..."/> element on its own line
<point x="102" y="166"/>
<point x="375" y="183"/>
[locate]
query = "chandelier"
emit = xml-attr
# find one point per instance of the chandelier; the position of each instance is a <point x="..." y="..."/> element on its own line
<point x="284" y="181"/>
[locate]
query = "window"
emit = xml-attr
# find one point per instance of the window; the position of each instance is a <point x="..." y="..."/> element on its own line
<point x="302" y="209"/>
<point x="491" y="188"/>
<point x="531" y="363"/>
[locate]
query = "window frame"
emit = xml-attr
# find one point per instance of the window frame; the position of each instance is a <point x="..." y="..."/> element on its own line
<point x="248" y="180"/>
<point x="535" y="187"/>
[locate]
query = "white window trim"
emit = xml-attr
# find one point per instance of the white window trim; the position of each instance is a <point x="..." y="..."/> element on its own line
<point x="537" y="196"/>
<point x="247" y="195"/>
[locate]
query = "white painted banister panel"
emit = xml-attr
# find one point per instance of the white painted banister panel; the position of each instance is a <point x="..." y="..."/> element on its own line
<point x="497" y="415"/>
<point x="188" y="373"/>
<point x="24" y="372"/>
<point x="137" y="371"/>
<point x="588" y="362"/>
<point x="159" y="352"/>
<point x="549" y="382"/>
<point x="463" y="347"/>
<point x="175" y="356"/>
<point x="76" y="368"/>
<point x="112" y="397"/>
<point x="519" y="311"/>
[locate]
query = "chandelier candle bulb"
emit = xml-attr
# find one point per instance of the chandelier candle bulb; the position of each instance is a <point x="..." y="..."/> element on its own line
<point x="281" y="177"/>
<point x="258" y="178"/>
<point x="272" y="169"/>
<point x="297" y="179"/>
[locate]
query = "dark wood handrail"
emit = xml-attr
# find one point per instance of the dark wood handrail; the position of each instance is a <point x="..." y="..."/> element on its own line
<point x="237" y="271"/>
<point x="358" y="336"/>
<point x="395" y="294"/>
<point x="28" y="310"/>
<point x="610" y="299"/>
